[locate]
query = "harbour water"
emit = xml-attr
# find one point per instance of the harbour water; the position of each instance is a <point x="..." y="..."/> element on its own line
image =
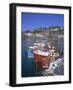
<point x="28" y="63"/>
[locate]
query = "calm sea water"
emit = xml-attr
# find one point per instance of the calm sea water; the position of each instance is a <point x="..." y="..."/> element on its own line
<point x="28" y="64"/>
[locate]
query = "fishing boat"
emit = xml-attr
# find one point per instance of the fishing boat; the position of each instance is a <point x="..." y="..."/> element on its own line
<point x="43" y="54"/>
<point x="44" y="57"/>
